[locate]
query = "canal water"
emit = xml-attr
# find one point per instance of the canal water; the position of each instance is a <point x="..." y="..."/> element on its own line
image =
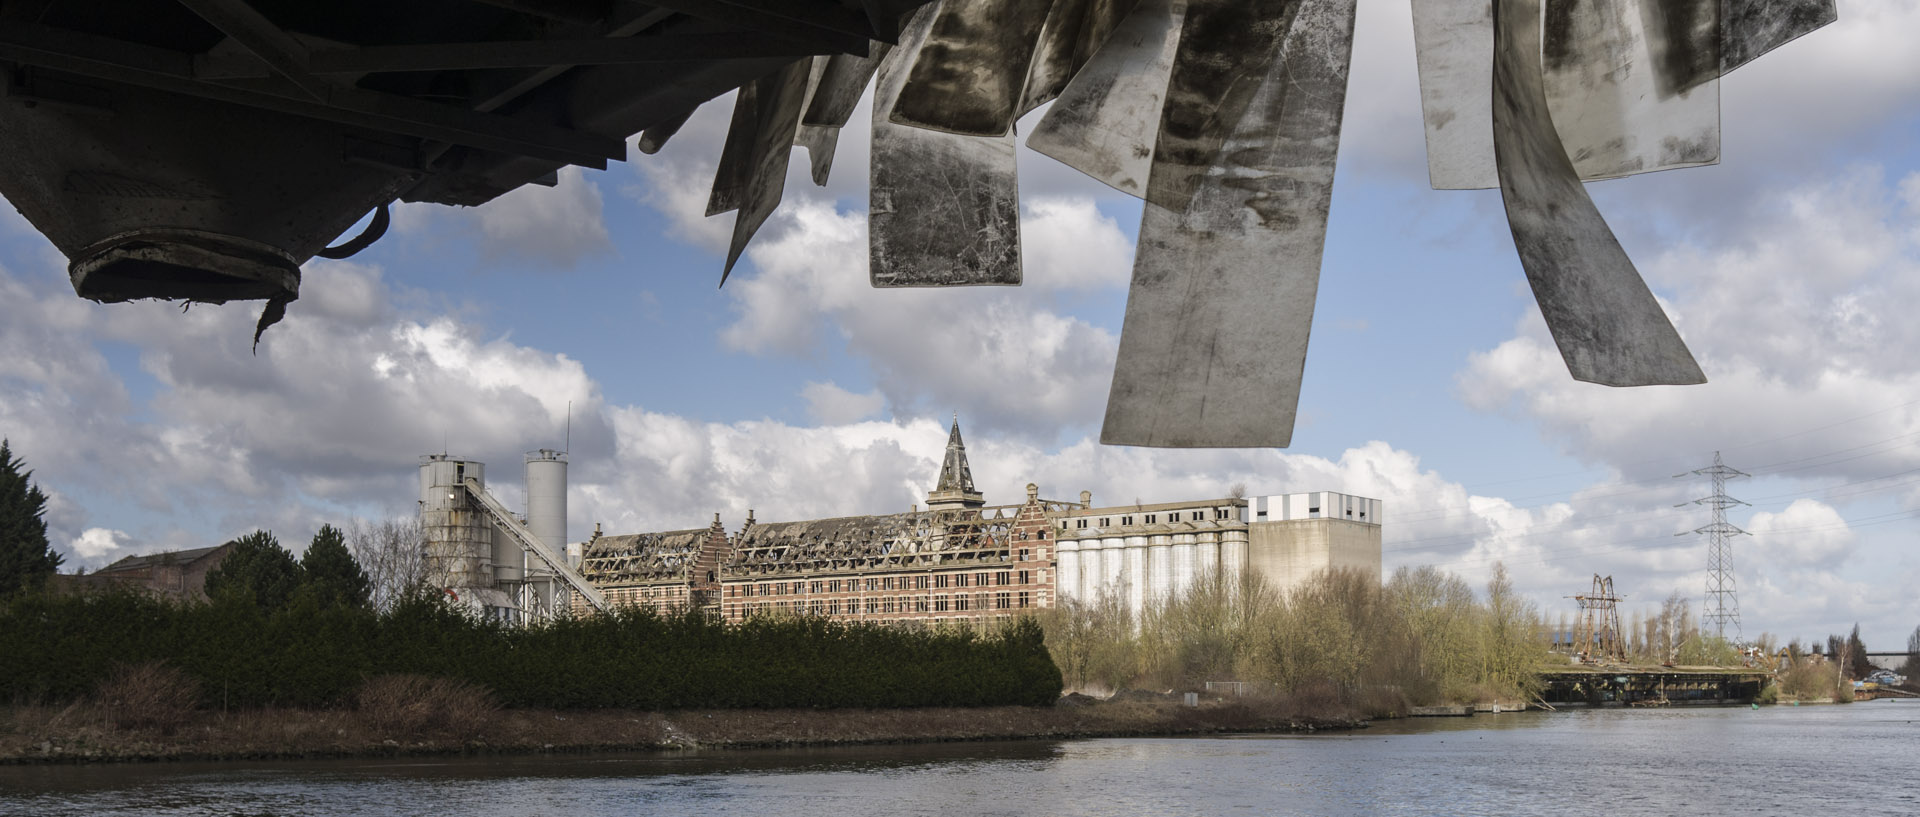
<point x="1858" y="759"/>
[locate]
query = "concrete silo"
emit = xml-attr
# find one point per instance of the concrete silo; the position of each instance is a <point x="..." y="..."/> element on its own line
<point x="458" y="535"/>
<point x="547" y="513"/>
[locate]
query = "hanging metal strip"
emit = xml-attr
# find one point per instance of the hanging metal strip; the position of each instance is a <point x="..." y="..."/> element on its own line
<point x="1104" y="124"/>
<point x="1053" y="59"/>
<point x="841" y="85"/>
<point x="944" y="209"/>
<point x="1608" y="326"/>
<point x="781" y="97"/>
<point x="970" y="72"/>
<point x="730" y="177"/>
<point x="1228" y="264"/>
<point x="1608" y="74"/>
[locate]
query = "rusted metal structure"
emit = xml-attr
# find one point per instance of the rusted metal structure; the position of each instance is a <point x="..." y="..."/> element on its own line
<point x="1597" y="635"/>
<point x="204" y="149"/>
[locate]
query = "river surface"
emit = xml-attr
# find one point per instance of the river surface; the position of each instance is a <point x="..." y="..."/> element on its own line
<point x="1859" y="759"/>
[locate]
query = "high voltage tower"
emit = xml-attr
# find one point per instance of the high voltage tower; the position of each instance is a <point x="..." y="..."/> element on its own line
<point x="1723" y="600"/>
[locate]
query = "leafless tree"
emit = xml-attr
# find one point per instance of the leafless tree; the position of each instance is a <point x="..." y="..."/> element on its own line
<point x="1237" y="491"/>
<point x="393" y="554"/>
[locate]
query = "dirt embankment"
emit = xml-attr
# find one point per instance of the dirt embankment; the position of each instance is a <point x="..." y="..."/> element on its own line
<point x="82" y="734"/>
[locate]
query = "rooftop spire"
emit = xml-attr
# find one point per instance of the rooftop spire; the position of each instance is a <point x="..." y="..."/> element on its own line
<point x="955" y="488"/>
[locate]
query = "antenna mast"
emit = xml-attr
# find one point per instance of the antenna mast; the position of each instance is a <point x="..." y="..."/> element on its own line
<point x="1723" y="601"/>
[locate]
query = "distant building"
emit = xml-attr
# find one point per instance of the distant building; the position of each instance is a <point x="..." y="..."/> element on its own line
<point x="960" y="559"/>
<point x="179" y="574"/>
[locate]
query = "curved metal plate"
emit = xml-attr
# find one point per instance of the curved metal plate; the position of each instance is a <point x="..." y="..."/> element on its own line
<point x="1104" y="124"/>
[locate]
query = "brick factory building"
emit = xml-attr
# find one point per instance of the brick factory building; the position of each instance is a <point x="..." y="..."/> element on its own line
<point x="961" y="560"/>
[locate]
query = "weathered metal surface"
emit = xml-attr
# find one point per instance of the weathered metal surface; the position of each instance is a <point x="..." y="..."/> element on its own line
<point x="1104" y="124"/>
<point x="1754" y="27"/>
<point x="1228" y="265"/>
<point x="781" y="97"/>
<point x="1054" y="61"/>
<point x="840" y="86"/>
<point x="944" y="209"/>
<point x="730" y="176"/>
<point x="1102" y="17"/>
<point x="968" y="75"/>
<point x="1608" y="73"/>
<point x="820" y="142"/>
<point x="1608" y="326"/>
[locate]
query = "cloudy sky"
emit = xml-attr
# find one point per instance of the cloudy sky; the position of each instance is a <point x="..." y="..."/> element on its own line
<point x="1792" y="270"/>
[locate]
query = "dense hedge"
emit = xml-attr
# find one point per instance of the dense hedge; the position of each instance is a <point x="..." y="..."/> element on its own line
<point x="59" y="648"/>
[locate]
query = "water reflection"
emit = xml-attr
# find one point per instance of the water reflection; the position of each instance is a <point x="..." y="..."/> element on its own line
<point x="1685" y="761"/>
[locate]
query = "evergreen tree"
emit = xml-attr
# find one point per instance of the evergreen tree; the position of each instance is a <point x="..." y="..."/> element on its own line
<point x="330" y="572"/>
<point x="26" y="558"/>
<point x="257" y="569"/>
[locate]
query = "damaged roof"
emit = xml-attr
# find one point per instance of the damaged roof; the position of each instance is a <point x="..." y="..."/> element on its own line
<point x="643" y="557"/>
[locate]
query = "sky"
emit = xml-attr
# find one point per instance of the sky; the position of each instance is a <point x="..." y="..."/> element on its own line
<point x="587" y="316"/>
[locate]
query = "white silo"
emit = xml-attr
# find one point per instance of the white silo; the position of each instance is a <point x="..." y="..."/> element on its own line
<point x="456" y="535"/>
<point x="547" y="507"/>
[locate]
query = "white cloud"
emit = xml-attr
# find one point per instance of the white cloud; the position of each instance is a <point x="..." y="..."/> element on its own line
<point x="94" y="543"/>
<point x="562" y="225"/>
<point x="828" y="404"/>
<point x="1809" y="533"/>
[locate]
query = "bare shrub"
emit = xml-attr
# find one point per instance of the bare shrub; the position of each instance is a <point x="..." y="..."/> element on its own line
<point x="418" y="705"/>
<point x="149" y="695"/>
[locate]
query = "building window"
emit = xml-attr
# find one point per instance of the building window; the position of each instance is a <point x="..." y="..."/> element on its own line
<point x="833" y="586"/>
<point x="1002" y="600"/>
<point x="920" y="604"/>
<point x="1025" y="554"/>
<point x="939" y="604"/>
<point x="1081" y="523"/>
<point x="960" y="580"/>
<point x="1026" y="577"/>
<point x="920" y="582"/>
<point x="814" y="608"/>
<point x="1023" y="598"/>
<point x="889" y="605"/>
<point x="1105" y="521"/>
<point x="1005" y="577"/>
<point x="815" y="588"/>
<point x="833" y="608"/>
<point x="872" y="606"/>
<point x="887" y="583"/>
<point x="960" y="603"/>
<point x="872" y="585"/>
<point x="1149" y="519"/>
<point x="1063" y="524"/>
<point x="940" y="580"/>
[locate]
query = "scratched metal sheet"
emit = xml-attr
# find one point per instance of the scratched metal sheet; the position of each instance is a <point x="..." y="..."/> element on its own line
<point x="1228" y="265"/>
<point x="1608" y="326"/>
<point x="1053" y="58"/>
<point x="1104" y="124"/>
<point x="944" y="208"/>
<point x="841" y="84"/>
<point x="781" y="97"/>
<point x="820" y="142"/>
<point x="1617" y="110"/>
<point x="1750" y="28"/>
<point x="730" y="178"/>
<point x="969" y="74"/>
<point x="1102" y="18"/>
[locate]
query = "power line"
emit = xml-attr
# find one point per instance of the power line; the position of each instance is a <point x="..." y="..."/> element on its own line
<point x="1723" y="600"/>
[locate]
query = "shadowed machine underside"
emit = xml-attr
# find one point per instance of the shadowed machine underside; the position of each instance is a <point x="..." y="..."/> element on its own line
<point x="202" y="150"/>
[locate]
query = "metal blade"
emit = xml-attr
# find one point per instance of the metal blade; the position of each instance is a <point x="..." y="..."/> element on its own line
<point x="944" y="208"/>
<point x="1750" y="28"/>
<point x="841" y="85"/>
<point x="974" y="67"/>
<point x="781" y="97"/>
<point x="820" y="142"/>
<point x="730" y="178"/>
<point x="1104" y="124"/>
<point x="1228" y="266"/>
<point x="1608" y="326"/>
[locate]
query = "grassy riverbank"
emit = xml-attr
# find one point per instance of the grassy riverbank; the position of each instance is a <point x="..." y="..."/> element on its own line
<point x="86" y="733"/>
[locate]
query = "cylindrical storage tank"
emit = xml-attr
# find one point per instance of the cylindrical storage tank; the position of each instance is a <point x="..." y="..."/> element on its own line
<point x="1136" y="580"/>
<point x="1182" y="563"/>
<point x="1160" y="568"/>
<point x="455" y="535"/>
<point x="1206" y="557"/>
<point x="1066" y="577"/>
<point x="547" y="497"/>
<point x="1233" y="555"/>
<point x="1113" y="567"/>
<point x="1089" y="587"/>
